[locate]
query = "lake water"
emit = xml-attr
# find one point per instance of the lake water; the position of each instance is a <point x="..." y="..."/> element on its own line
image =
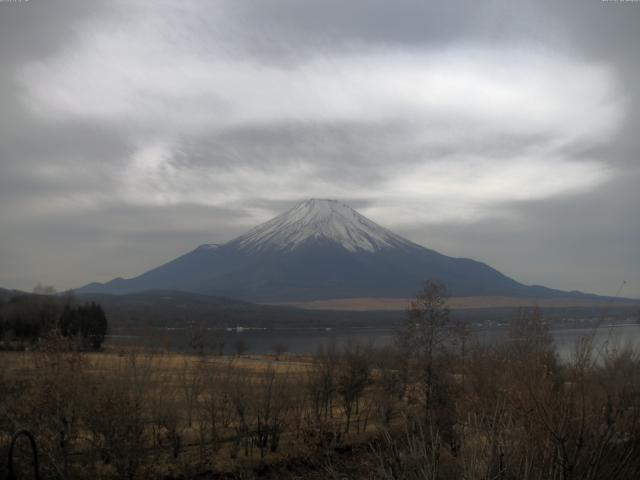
<point x="306" y="341"/>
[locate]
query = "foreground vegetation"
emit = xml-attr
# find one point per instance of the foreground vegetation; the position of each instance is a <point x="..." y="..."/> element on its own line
<point x="437" y="405"/>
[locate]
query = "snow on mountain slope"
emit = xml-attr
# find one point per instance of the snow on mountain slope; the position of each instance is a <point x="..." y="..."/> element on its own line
<point x="319" y="220"/>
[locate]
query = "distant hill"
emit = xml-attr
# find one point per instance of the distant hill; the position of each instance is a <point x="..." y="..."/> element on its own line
<point x="321" y="250"/>
<point x="179" y="309"/>
<point x="6" y="294"/>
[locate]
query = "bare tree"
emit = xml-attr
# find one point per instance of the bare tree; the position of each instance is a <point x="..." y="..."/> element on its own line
<point x="321" y="382"/>
<point x="116" y="415"/>
<point x="423" y="338"/>
<point x="354" y="375"/>
<point x="216" y="409"/>
<point x="390" y="384"/>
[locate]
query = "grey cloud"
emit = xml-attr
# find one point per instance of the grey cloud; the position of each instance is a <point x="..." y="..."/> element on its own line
<point x="585" y="242"/>
<point x="68" y="215"/>
<point x="114" y="240"/>
<point x="36" y="29"/>
<point x="278" y="29"/>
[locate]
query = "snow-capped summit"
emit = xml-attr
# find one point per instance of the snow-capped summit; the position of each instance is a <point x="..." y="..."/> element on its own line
<point x="319" y="220"/>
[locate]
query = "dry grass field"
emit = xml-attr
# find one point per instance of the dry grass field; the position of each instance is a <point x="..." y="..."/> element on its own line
<point x="136" y="413"/>
<point x="395" y="304"/>
<point x="436" y="406"/>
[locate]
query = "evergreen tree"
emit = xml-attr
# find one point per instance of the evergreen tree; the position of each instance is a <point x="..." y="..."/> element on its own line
<point x="87" y="321"/>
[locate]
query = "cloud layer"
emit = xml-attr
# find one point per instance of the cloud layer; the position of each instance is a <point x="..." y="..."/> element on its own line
<point x="140" y="130"/>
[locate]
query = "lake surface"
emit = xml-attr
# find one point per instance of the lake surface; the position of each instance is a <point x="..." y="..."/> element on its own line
<point x="307" y="341"/>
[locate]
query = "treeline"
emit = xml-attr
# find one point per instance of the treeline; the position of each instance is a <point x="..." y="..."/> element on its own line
<point x="438" y="405"/>
<point x="31" y="318"/>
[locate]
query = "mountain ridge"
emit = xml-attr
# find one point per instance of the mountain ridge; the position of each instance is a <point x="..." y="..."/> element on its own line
<point x="321" y="249"/>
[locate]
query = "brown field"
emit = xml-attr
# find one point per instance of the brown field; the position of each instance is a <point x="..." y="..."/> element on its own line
<point x="397" y="304"/>
<point x="19" y="364"/>
<point x="174" y="414"/>
<point x="429" y="408"/>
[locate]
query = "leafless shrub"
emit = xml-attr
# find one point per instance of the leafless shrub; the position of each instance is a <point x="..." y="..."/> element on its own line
<point x="321" y="383"/>
<point x="118" y="419"/>
<point x="215" y="410"/>
<point x="52" y="404"/>
<point x="241" y="396"/>
<point x="354" y="375"/>
<point x="411" y="455"/>
<point x="191" y="384"/>
<point x="271" y="409"/>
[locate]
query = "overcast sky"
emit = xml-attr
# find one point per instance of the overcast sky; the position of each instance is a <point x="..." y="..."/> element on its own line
<point x="508" y="132"/>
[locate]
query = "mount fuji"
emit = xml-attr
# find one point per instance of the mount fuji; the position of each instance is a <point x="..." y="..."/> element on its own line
<point x="321" y="249"/>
